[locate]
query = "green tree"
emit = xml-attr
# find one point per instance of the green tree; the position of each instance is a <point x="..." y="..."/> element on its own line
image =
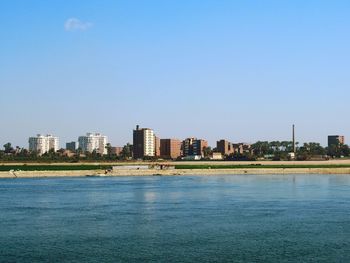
<point x="207" y="151"/>
<point x="8" y="148"/>
<point x="126" y="152"/>
<point x="109" y="150"/>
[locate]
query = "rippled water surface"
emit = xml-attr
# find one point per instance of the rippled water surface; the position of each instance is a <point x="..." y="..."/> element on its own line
<point x="248" y="218"/>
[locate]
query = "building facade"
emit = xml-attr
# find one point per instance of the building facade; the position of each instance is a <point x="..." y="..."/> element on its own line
<point x="71" y="146"/>
<point x="193" y="147"/>
<point x="170" y="148"/>
<point x="335" y="140"/>
<point x="225" y="147"/>
<point x="144" y="143"/>
<point x="157" y="146"/>
<point x="93" y="142"/>
<point x="43" y="143"/>
<point x="116" y="150"/>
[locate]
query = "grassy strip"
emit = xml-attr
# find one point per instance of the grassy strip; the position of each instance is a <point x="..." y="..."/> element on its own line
<point x="256" y="166"/>
<point x="87" y="167"/>
<point x="4" y="168"/>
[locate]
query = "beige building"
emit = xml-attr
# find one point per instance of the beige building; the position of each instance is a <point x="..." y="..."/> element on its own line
<point x="43" y="143"/>
<point x="116" y="150"/>
<point x="93" y="142"/>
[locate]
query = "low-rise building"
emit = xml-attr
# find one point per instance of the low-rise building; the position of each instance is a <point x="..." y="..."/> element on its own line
<point x="227" y="148"/>
<point x="216" y="156"/>
<point x="116" y="150"/>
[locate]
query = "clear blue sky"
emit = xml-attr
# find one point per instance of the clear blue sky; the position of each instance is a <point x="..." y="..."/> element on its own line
<point x="240" y="70"/>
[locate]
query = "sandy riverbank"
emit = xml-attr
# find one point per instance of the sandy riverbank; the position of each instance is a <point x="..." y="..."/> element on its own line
<point x="328" y="162"/>
<point x="184" y="172"/>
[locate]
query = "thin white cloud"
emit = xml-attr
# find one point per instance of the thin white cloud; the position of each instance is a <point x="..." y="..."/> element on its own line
<point x="74" y="24"/>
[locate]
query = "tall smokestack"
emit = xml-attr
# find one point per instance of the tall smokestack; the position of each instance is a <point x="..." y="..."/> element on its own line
<point x="294" y="150"/>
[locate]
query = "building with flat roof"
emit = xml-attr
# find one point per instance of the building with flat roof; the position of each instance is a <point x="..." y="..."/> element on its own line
<point x="93" y="142"/>
<point x="193" y="146"/>
<point x="170" y="148"/>
<point x="335" y="140"/>
<point x="43" y="143"/>
<point x="144" y="143"/>
<point x="157" y="146"/>
<point x="216" y="156"/>
<point x="225" y="147"/>
<point x="116" y="150"/>
<point x="71" y="146"/>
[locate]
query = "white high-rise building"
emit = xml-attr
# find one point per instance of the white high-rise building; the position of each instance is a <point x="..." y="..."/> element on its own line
<point x="149" y="146"/>
<point x="43" y="143"/>
<point x="93" y="141"/>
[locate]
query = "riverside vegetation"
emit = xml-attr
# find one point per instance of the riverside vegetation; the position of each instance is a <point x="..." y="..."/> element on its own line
<point x="274" y="150"/>
<point x="199" y="166"/>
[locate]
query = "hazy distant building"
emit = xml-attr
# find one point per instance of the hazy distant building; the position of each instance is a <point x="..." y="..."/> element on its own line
<point x="242" y="148"/>
<point x="194" y="147"/>
<point x="116" y="150"/>
<point x="156" y="146"/>
<point x="93" y="142"/>
<point x="228" y="148"/>
<point x="335" y="140"/>
<point x="187" y="149"/>
<point x="71" y="146"/>
<point x="170" y="148"/>
<point x="43" y="143"/>
<point x="216" y="156"/>
<point x="225" y="147"/>
<point x="144" y="144"/>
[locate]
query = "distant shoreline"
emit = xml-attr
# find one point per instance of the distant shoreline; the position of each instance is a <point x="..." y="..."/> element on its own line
<point x="32" y="170"/>
<point x="175" y="172"/>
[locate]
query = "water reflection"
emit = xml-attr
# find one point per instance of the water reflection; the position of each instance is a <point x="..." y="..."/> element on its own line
<point x="249" y="218"/>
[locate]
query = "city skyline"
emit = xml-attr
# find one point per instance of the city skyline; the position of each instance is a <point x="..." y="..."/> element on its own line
<point x="243" y="71"/>
<point x="63" y="144"/>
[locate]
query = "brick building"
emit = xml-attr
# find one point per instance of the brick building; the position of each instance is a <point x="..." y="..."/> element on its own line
<point x="170" y="148"/>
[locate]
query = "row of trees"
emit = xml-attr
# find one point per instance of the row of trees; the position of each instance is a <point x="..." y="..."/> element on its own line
<point x="280" y="150"/>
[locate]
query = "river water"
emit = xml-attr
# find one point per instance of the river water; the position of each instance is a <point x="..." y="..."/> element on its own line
<point x="233" y="218"/>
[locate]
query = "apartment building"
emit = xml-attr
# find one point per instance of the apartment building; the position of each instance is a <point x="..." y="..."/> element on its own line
<point x="225" y="147"/>
<point x="170" y="148"/>
<point x="194" y="147"/>
<point x="71" y="146"/>
<point x="93" y="142"/>
<point x="43" y="143"/>
<point x="335" y="140"/>
<point x="144" y="143"/>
